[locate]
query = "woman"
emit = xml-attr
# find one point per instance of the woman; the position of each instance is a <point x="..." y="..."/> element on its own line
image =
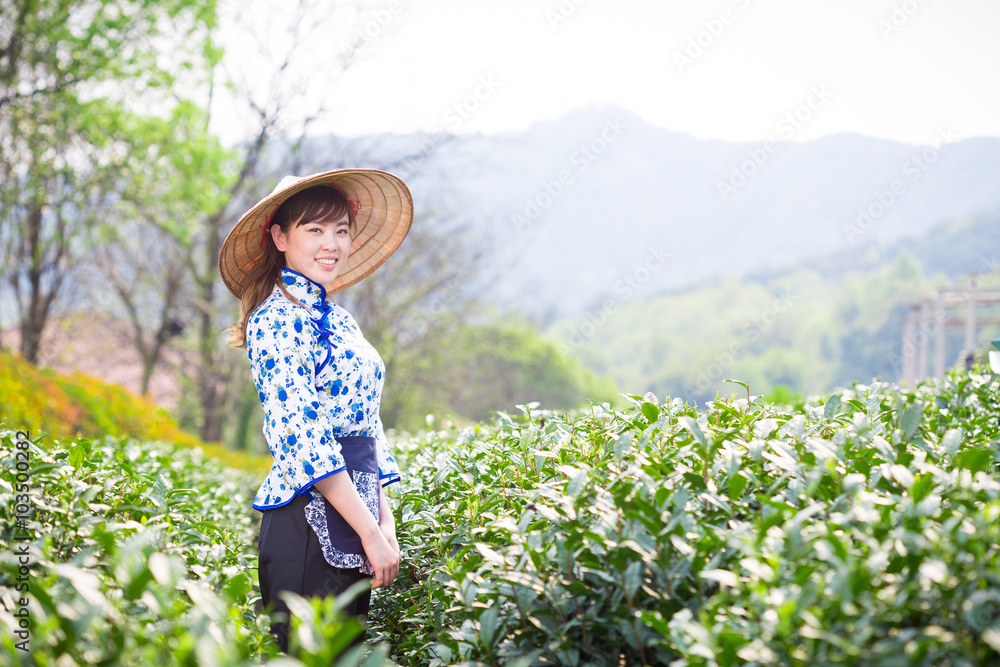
<point x="326" y="523"/>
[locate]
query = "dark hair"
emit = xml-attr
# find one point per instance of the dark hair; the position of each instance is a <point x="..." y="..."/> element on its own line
<point x="321" y="202"/>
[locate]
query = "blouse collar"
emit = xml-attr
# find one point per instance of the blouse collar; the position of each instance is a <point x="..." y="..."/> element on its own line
<point x="310" y="293"/>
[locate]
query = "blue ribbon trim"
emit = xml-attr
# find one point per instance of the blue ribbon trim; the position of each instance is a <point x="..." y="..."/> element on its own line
<point x="324" y="332"/>
<point x="319" y="323"/>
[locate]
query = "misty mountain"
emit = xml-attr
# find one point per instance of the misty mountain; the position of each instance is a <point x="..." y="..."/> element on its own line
<point x="600" y="204"/>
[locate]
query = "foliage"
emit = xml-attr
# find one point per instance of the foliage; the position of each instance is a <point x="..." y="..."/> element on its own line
<point x="805" y="328"/>
<point x="40" y="400"/>
<point x="782" y="395"/>
<point x="863" y="529"/>
<point x="470" y="371"/>
<point x="69" y="74"/>
<point x="143" y="555"/>
<point x="52" y="46"/>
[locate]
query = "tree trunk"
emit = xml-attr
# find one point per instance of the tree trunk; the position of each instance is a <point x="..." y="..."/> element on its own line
<point x="148" y="367"/>
<point x="208" y="375"/>
<point x="34" y="317"/>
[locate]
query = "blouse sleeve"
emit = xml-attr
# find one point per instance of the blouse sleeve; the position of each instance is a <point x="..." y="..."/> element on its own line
<point x="388" y="469"/>
<point x="298" y="433"/>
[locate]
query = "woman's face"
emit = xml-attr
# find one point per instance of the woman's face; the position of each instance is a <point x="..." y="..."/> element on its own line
<point x="316" y="249"/>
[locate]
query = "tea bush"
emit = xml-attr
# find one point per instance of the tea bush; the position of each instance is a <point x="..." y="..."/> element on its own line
<point x="140" y="554"/>
<point x="863" y="530"/>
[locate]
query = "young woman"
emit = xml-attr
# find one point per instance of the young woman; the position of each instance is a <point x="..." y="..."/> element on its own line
<point x="326" y="523"/>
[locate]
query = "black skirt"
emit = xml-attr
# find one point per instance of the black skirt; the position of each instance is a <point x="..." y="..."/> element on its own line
<point x="291" y="557"/>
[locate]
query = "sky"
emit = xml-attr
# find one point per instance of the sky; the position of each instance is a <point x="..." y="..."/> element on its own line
<point x="740" y="70"/>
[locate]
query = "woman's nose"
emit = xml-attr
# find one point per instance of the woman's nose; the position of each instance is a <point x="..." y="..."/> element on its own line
<point x="330" y="241"/>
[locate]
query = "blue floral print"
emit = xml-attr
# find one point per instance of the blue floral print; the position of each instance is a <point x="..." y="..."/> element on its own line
<point x="317" y="379"/>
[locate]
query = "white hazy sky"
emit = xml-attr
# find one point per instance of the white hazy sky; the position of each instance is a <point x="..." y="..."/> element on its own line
<point x="729" y="69"/>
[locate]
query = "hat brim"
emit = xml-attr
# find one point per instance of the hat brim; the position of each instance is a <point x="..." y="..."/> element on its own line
<point x="383" y="212"/>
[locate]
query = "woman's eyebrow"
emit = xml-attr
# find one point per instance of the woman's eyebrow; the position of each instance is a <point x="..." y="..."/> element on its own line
<point x="324" y="222"/>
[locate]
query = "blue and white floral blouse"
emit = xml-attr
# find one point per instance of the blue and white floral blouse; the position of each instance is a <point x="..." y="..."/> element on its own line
<point x="317" y="379"/>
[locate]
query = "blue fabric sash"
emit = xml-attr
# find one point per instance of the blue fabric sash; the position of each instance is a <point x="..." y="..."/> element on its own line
<point x="359" y="457"/>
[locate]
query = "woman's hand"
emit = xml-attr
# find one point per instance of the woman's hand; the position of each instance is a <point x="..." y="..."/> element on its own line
<point x="382" y="554"/>
<point x="384" y="557"/>
<point x="387" y="526"/>
<point x="389" y="530"/>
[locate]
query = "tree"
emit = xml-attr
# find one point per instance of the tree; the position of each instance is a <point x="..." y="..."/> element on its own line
<point x="176" y="172"/>
<point x="470" y="371"/>
<point x="67" y="69"/>
<point x="42" y="203"/>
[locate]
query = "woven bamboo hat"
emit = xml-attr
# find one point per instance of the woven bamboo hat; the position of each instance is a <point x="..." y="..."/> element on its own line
<point x="382" y="207"/>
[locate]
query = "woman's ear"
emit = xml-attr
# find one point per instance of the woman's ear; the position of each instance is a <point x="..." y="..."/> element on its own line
<point x="278" y="237"/>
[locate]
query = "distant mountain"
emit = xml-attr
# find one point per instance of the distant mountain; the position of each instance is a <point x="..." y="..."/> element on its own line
<point x="811" y="327"/>
<point x="950" y="249"/>
<point x="583" y="208"/>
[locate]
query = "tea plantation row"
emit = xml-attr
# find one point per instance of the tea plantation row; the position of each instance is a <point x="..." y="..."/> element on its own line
<point x="864" y="530"/>
<point x="134" y="554"/>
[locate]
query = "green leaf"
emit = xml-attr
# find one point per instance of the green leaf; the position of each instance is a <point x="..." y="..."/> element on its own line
<point x="975" y="459"/>
<point x="952" y="440"/>
<point x="650" y="412"/>
<point x="77" y="456"/>
<point x="577" y="483"/>
<point x="691" y="425"/>
<point x="488" y="626"/>
<point x="910" y="421"/>
<point x="832" y="407"/>
<point x="696" y="482"/>
<point x="737" y="483"/>
<point x="237" y="588"/>
<point x="161" y="486"/>
<point x="633" y="579"/>
<point x="745" y="385"/>
<point x="490" y="554"/>
<point x="621" y="445"/>
<point x="922" y="487"/>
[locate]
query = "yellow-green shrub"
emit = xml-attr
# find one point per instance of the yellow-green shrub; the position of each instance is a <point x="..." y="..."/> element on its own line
<point x="79" y="405"/>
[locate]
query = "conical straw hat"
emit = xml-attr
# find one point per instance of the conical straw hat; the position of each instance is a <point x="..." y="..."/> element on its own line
<point x="383" y="211"/>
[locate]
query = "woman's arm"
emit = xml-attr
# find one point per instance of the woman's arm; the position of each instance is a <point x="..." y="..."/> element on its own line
<point x="382" y="554"/>
<point x="386" y="521"/>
